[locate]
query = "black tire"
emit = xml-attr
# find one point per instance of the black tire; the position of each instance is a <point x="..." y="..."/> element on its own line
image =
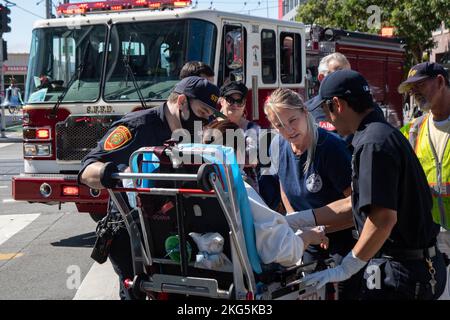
<point x="96" y="216"/>
<point x="203" y="176"/>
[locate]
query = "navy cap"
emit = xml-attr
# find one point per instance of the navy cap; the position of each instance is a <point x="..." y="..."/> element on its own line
<point x="233" y="87"/>
<point x="313" y="103"/>
<point x="421" y="72"/>
<point x="342" y="83"/>
<point x="200" y="89"/>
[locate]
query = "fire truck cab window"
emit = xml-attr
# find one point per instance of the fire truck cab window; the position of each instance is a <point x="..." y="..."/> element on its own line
<point x="232" y="55"/>
<point x="268" y="57"/>
<point x="64" y="60"/>
<point x="290" y="62"/>
<point x="155" y="51"/>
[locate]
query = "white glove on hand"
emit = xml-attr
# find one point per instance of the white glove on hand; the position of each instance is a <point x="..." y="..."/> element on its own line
<point x="299" y="219"/>
<point x="349" y="266"/>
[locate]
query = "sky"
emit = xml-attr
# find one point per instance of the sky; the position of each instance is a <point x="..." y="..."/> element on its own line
<point x="26" y="12"/>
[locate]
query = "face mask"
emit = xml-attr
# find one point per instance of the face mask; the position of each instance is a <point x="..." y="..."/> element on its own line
<point x="189" y="124"/>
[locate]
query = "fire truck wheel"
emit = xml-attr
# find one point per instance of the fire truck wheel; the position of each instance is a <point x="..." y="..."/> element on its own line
<point x="96" y="216"/>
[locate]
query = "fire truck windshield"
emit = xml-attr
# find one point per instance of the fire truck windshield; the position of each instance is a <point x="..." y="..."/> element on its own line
<point x="60" y="52"/>
<point x="156" y="52"/>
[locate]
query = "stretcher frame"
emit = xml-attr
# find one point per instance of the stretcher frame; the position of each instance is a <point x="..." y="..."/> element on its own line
<point x="244" y="286"/>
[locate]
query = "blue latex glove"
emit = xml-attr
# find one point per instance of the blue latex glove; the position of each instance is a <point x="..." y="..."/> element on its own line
<point x="349" y="266"/>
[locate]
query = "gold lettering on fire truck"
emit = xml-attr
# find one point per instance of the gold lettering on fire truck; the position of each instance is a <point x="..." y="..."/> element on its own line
<point x="99" y="109"/>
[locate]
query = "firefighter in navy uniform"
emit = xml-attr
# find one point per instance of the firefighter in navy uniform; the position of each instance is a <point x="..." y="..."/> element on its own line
<point x="391" y="201"/>
<point x="193" y="99"/>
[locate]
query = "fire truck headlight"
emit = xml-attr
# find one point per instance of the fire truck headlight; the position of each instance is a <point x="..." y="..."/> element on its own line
<point x="37" y="150"/>
<point x="43" y="149"/>
<point x="29" y="150"/>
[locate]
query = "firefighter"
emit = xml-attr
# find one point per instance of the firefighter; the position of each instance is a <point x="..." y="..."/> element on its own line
<point x="391" y="201"/>
<point x="193" y="99"/>
<point x="429" y="136"/>
<point x="313" y="168"/>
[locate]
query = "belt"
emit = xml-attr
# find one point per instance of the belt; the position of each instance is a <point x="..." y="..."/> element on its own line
<point x="410" y="254"/>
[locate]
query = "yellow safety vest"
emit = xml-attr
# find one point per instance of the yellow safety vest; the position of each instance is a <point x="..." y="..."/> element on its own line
<point x="438" y="174"/>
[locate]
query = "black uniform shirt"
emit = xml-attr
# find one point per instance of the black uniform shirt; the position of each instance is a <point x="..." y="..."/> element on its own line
<point x="386" y="173"/>
<point x="135" y="130"/>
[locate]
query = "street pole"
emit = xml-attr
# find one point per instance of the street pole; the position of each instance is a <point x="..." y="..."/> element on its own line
<point x="267" y="3"/>
<point x="48" y="9"/>
<point x="2" y="89"/>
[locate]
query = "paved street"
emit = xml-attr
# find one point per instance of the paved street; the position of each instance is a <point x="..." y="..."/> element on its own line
<point x="44" y="251"/>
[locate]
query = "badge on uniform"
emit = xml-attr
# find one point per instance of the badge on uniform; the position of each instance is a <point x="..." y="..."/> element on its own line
<point x="117" y="138"/>
<point x="314" y="183"/>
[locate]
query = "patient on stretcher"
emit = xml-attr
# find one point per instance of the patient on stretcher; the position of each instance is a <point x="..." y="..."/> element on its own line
<point x="276" y="241"/>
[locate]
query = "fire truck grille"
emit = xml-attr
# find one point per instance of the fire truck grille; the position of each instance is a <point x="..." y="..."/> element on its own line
<point x="77" y="135"/>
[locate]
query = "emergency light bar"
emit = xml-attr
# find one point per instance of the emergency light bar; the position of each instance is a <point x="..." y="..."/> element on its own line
<point x="118" y="5"/>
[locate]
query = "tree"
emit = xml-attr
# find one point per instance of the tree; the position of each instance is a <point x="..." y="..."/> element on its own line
<point x="413" y="20"/>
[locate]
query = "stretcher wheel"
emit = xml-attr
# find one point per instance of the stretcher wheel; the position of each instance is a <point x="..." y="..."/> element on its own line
<point x="203" y="174"/>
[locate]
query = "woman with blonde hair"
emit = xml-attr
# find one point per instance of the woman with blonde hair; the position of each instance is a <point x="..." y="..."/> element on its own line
<point x="276" y="241"/>
<point x="313" y="167"/>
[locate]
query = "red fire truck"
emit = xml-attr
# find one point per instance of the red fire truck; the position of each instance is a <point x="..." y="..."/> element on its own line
<point x="380" y="59"/>
<point x="100" y="60"/>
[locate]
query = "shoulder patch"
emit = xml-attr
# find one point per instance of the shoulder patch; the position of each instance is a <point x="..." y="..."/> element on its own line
<point x="117" y="138"/>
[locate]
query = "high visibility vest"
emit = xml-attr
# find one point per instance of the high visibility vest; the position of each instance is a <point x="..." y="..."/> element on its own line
<point x="437" y="173"/>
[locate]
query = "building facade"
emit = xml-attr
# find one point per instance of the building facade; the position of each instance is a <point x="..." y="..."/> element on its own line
<point x="441" y="51"/>
<point x="287" y="9"/>
<point x="16" y="67"/>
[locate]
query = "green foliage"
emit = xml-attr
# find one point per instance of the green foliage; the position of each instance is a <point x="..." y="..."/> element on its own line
<point x="414" y="20"/>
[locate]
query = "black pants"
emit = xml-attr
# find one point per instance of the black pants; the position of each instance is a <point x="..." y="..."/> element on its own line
<point x="121" y="259"/>
<point x="404" y="279"/>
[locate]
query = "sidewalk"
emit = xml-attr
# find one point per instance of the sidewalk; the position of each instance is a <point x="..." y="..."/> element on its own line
<point x="101" y="283"/>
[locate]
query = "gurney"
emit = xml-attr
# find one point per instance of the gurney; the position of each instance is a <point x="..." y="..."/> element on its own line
<point x="187" y="188"/>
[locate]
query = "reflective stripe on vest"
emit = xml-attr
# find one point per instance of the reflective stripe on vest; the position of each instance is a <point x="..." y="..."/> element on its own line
<point x="438" y="174"/>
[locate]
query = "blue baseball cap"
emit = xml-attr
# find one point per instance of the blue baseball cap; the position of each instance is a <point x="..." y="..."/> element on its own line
<point x="200" y="89"/>
<point x="421" y="72"/>
<point x="342" y="84"/>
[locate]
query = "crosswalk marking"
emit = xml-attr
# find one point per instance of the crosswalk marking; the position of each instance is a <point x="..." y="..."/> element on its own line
<point x="10" y="224"/>
<point x="9" y="256"/>
<point x="11" y="201"/>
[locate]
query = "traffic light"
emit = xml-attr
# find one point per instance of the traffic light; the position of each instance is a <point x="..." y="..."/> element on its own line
<point x="4" y="19"/>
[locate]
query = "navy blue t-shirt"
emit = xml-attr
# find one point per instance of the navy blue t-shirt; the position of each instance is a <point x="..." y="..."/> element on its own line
<point x="326" y="179"/>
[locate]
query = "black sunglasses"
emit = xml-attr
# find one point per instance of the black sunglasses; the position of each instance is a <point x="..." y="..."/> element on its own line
<point x="231" y="100"/>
